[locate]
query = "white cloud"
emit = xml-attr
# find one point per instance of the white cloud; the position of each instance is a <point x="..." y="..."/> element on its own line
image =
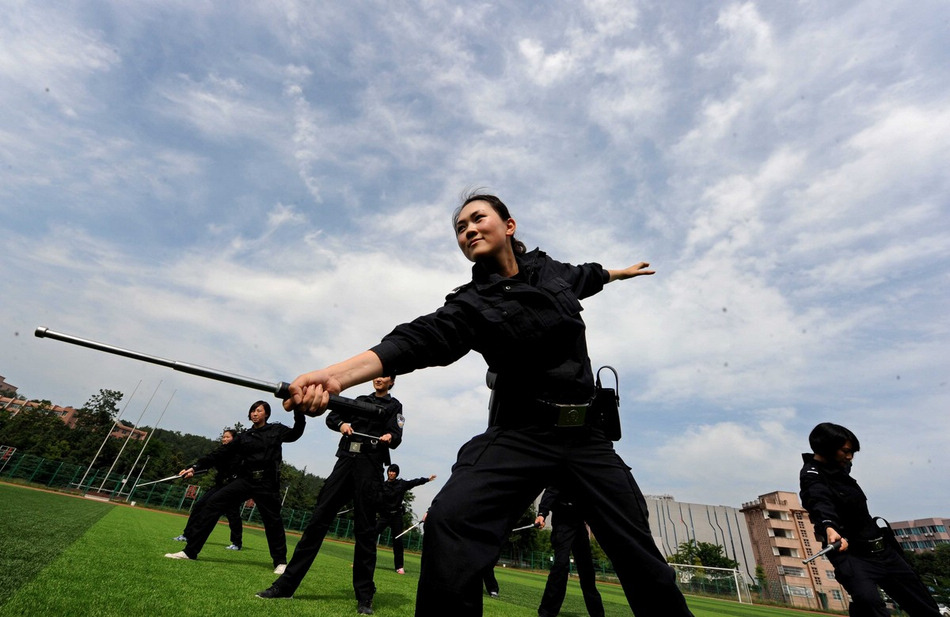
<point x="266" y="191"/>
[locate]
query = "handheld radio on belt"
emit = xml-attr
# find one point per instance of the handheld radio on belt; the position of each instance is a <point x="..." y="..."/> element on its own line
<point x="606" y="404"/>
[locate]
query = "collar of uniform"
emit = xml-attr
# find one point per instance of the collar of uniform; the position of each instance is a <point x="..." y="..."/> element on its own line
<point x="527" y="266"/>
<point x="826" y="468"/>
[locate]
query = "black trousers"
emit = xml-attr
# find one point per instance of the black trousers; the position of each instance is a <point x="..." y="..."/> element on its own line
<point x="266" y="496"/>
<point x="357" y="478"/>
<point x="570" y="536"/>
<point x="394" y="522"/>
<point x="496" y="476"/>
<point x="233" y="515"/>
<point x="862" y="575"/>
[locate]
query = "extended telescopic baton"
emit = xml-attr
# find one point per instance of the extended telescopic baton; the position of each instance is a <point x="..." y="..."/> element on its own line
<point x="525" y="527"/>
<point x="831" y="547"/>
<point x="280" y="389"/>
<point x="174" y="477"/>
<point x="408" y="530"/>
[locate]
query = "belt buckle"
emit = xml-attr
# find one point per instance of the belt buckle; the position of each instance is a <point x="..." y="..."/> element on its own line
<point x="876" y="545"/>
<point x="569" y="416"/>
<point x="355" y="446"/>
<point x="257" y="475"/>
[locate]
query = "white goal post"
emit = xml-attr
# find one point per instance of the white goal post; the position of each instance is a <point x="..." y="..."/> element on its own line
<point x="705" y="580"/>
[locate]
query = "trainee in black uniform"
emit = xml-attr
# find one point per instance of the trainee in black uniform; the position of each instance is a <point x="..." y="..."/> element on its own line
<point x="568" y="535"/>
<point x="361" y="455"/>
<point x="259" y="452"/>
<point x="392" y="511"/>
<point x="225" y="472"/>
<point x="870" y="557"/>
<point x="521" y="311"/>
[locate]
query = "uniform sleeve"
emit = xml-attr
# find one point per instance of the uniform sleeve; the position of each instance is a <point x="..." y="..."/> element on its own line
<point x="417" y="482"/>
<point x="547" y="501"/>
<point x="818" y="499"/>
<point x="219" y="456"/>
<point x="293" y="434"/>
<point x="437" y="339"/>
<point x="393" y="427"/>
<point x="334" y="421"/>
<point x="585" y="279"/>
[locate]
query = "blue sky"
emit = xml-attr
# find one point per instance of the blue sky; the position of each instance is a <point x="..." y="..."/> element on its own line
<point x="265" y="188"/>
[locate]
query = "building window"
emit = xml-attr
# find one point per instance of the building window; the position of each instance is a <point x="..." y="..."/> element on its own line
<point x="790" y="571"/>
<point x="836" y="594"/>
<point x="830" y="574"/>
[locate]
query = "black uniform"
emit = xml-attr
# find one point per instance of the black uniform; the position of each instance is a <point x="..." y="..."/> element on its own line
<point x="225" y="471"/>
<point x="355" y="476"/>
<point x="529" y="329"/>
<point x="874" y="558"/>
<point x="568" y="535"/>
<point x="259" y="453"/>
<point x="391" y="512"/>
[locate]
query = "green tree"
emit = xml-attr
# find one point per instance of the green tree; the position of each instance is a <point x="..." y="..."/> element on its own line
<point x="36" y="430"/>
<point x="702" y="554"/>
<point x="933" y="567"/>
<point x="523" y="542"/>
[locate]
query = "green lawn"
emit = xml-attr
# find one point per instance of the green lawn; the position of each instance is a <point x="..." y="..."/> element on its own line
<point x="62" y="555"/>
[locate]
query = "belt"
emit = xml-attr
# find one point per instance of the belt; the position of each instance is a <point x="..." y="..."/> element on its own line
<point x="545" y="414"/>
<point x="257" y="474"/>
<point x="869" y="547"/>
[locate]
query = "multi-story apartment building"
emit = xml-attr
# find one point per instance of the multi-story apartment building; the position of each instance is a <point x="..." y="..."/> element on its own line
<point x="922" y="534"/>
<point x="782" y="537"/>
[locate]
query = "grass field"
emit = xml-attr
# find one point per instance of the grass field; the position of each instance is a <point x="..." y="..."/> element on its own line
<point x="63" y="555"/>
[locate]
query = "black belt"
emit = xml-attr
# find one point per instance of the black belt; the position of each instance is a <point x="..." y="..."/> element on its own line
<point x="544" y="414"/>
<point x="258" y="474"/>
<point x="873" y="546"/>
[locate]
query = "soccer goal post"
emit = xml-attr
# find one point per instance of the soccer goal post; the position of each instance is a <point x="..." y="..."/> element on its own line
<point x="708" y="581"/>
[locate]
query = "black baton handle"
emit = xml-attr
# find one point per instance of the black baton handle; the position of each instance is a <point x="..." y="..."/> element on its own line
<point x="280" y="389"/>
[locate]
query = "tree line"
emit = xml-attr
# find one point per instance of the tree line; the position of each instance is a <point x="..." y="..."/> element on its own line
<point x="41" y="432"/>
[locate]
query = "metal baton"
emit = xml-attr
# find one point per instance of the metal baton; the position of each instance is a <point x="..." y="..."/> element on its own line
<point x="373" y="439"/>
<point x="831" y="547"/>
<point x="408" y="530"/>
<point x="280" y="389"/>
<point x="525" y="527"/>
<point x="174" y="477"/>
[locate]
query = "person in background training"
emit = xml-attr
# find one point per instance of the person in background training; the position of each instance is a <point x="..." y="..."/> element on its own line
<point x="568" y="535"/>
<point x="522" y="312"/>
<point x="392" y="511"/>
<point x="361" y="455"/>
<point x="259" y="454"/>
<point x="869" y="558"/>
<point x="225" y="472"/>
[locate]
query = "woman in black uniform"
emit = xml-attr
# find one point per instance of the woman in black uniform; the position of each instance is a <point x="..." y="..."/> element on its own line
<point x="521" y="311"/>
<point x="869" y="557"/>
<point x="259" y="454"/>
<point x="226" y="469"/>
<point x="568" y="535"/>
<point x="392" y="511"/>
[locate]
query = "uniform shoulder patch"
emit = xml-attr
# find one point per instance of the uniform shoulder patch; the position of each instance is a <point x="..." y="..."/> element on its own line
<point x="459" y="290"/>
